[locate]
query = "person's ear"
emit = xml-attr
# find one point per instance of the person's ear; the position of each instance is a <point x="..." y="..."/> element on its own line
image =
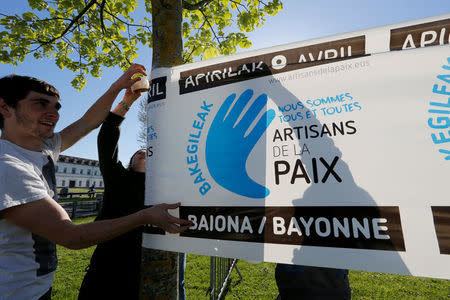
<point x="5" y="109"/>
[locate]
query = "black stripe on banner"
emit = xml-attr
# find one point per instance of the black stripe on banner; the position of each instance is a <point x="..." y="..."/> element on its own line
<point x="358" y="227"/>
<point x="441" y="217"/>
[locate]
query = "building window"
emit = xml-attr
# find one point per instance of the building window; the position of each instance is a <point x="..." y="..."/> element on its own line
<point x="81" y="171"/>
<point x="65" y="170"/>
<point x="89" y="172"/>
<point x="63" y="183"/>
<point x="100" y="183"/>
<point x="87" y="183"/>
<point x="56" y="169"/>
<point x="79" y="183"/>
<point x="73" y="170"/>
<point x="95" y="172"/>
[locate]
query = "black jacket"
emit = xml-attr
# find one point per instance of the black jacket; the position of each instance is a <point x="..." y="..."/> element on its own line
<point x="114" y="270"/>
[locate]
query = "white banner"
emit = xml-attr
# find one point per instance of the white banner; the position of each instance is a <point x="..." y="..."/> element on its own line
<point x="333" y="152"/>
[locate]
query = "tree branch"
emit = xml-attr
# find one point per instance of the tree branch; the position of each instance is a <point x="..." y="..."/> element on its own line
<point x="102" y="7"/>
<point x="41" y="20"/>
<point x="260" y="1"/>
<point x="52" y="19"/>
<point x="210" y="26"/>
<point x="193" y="48"/>
<point x="197" y="5"/>
<point x="190" y="54"/>
<point x="74" y="21"/>
<point x="69" y="43"/>
<point x="240" y="4"/>
<point x="117" y="47"/>
<point x="126" y="23"/>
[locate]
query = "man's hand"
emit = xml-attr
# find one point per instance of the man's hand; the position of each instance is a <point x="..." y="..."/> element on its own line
<point x="97" y="113"/>
<point x="158" y="215"/>
<point x="130" y="96"/>
<point x="125" y="81"/>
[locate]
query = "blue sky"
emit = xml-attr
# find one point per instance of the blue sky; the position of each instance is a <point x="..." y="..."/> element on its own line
<point x="298" y="21"/>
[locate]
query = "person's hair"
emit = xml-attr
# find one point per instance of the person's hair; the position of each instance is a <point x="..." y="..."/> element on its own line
<point x="130" y="164"/>
<point x="14" y="88"/>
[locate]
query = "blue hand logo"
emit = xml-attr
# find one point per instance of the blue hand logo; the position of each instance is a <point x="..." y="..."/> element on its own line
<point x="227" y="147"/>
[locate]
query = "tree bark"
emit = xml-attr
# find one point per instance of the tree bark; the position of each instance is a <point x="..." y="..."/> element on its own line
<point x="167" y="16"/>
<point x="159" y="269"/>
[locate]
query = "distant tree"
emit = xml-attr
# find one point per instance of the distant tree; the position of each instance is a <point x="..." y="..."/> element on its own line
<point x="86" y="35"/>
<point x="142" y="118"/>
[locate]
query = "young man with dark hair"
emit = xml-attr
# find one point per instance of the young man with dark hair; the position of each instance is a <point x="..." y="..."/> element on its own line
<point x="31" y="221"/>
<point x="14" y="88"/>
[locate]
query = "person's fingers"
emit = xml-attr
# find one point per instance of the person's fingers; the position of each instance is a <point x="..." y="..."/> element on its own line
<point x="128" y="92"/>
<point x="130" y="95"/>
<point x="181" y="221"/>
<point x="176" y="220"/>
<point x="135" y="65"/>
<point x="134" y="80"/>
<point x="171" y="205"/>
<point x="184" y="228"/>
<point x="178" y="229"/>
<point x="172" y="228"/>
<point x="140" y="70"/>
<point x="135" y="95"/>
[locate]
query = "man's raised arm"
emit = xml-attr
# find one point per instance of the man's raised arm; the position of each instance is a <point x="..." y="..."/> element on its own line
<point x="99" y="110"/>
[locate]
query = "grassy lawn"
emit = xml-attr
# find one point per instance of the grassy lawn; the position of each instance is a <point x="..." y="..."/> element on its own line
<point x="258" y="280"/>
<point x="71" y="269"/>
<point x="82" y="190"/>
<point x="78" y="197"/>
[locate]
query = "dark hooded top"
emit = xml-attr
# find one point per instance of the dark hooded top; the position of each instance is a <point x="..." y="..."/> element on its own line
<point x="114" y="270"/>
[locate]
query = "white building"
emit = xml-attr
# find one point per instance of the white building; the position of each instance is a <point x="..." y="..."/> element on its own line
<point x="78" y="172"/>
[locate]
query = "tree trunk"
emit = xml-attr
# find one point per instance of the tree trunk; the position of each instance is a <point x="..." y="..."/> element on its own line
<point x="159" y="269"/>
<point x="167" y="16"/>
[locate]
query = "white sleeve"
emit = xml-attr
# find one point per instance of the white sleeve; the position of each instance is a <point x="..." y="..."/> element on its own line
<point x="19" y="184"/>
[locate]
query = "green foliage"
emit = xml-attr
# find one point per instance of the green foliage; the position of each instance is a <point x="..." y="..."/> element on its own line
<point x="85" y="36"/>
<point x="207" y="32"/>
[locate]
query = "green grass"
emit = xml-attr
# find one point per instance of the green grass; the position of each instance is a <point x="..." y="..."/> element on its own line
<point x="79" y="198"/>
<point x="369" y="285"/>
<point x="81" y="190"/>
<point x="71" y="269"/>
<point x="258" y="280"/>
